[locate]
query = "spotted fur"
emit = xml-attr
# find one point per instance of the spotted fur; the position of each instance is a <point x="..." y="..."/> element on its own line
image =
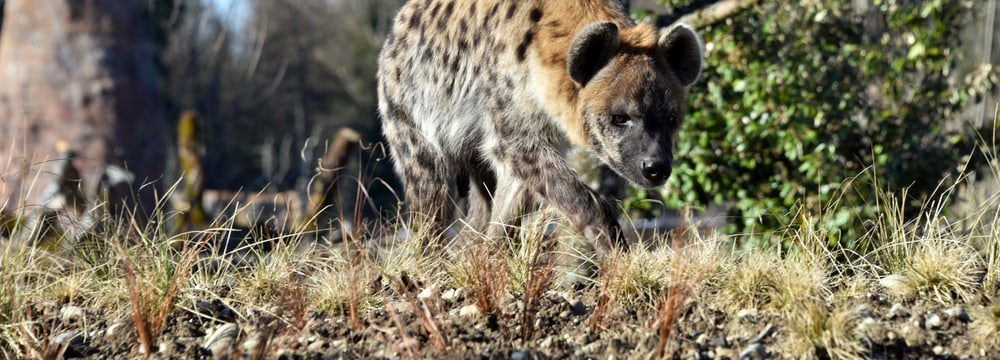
<point x="489" y="94"/>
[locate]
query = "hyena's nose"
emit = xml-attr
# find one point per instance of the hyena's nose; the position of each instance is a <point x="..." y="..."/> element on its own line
<point x="656" y="170"/>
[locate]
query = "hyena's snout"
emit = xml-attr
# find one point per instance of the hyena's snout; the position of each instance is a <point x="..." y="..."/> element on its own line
<point x="656" y="169"/>
<point x="656" y="165"/>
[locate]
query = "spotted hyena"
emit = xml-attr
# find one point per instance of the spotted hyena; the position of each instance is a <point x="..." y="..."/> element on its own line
<point x="487" y="95"/>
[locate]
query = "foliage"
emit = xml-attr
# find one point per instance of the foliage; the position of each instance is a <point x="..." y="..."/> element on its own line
<point x="798" y="97"/>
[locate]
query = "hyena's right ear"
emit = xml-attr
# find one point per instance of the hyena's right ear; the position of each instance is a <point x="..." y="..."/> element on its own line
<point x="591" y="50"/>
<point x="682" y="48"/>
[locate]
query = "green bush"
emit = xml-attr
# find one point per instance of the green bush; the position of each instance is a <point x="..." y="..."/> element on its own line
<point x="799" y="97"/>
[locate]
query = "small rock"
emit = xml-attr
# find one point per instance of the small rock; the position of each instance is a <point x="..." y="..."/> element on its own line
<point x="865" y="311"/>
<point x="70" y="312"/>
<point x="867" y="323"/>
<point x="938" y="350"/>
<point x="204" y="307"/>
<point x="469" y="310"/>
<point x="546" y="343"/>
<point x="317" y="346"/>
<point x="427" y="292"/>
<point x="519" y="355"/>
<point x="593" y="348"/>
<point x="167" y="347"/>
<point x="763" y="334"/>
<point x="221" y="339"/>
<point x="897" y="284"/>
<point x="114" y="330"/>
<point x="746" y="314"/>
<point x="724" y="353"/>
<point x="578" y="353"/>
<point x="932" y="322"/>
<point x="718" y="342"/>
<point x="897" y="310"/>
<point x="216" y="309"/>
<point x="891" y="335"/>
<point x="451" y="295"/>
<point x="702" y="340"/>
<point x="958" y="313"/>
<point x="76" y="345"/>
<point x="401" y="306"/>
<point x="577" y="307"/>
<point x="753" y="351"/>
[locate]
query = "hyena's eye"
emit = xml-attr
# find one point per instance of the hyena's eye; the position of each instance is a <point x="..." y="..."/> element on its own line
<point x="620" y="119"/>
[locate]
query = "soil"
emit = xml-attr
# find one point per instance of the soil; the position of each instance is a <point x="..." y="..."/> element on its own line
<point x="563" y="327"/>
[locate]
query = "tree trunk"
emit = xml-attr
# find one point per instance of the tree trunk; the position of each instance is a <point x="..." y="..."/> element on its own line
<point x="82" y="73"/>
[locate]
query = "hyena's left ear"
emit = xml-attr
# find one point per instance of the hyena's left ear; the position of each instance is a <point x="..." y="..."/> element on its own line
<point x="683" y="50"/>
<point x="591" y="50"/>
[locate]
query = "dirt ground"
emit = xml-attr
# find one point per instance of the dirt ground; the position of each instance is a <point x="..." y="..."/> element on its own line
<point x="566" y="325"/>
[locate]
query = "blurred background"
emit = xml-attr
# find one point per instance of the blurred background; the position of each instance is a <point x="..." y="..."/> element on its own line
<point x="805" y="105"/>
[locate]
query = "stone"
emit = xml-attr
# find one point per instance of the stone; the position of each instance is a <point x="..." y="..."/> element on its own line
<point x="577" y="307"/>
<point x="469" y="310"/>
<point x="220" y="340"/>
<point x="957" y="312"/>
<point x="932" y="321"/>
<point x="69" y="313"/>
<point x="753" y="351"/>
<point x="897" y="310"/>
<point x="451" y="295"/>
<point x="864" y="310"/>
<point x="76" y="345"/>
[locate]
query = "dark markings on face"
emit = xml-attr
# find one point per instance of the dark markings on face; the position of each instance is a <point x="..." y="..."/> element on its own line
<point x="588" y="129"/>
<point x="511" y="10"/>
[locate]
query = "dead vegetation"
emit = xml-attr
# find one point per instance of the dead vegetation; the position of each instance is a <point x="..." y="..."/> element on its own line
<point x="925" y="287"/>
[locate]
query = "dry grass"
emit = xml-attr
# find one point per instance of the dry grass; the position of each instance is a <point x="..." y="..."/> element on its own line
<point x="986" y="327"/>
<point x="142" y="275"/>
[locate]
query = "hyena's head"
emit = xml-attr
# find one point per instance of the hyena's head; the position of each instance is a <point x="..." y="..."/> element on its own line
<point x="632" y="95"/>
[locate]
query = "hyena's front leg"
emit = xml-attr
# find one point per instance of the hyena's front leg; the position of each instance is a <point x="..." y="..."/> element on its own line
<point x="544" y="172"/>
<point x="510" y="201"/>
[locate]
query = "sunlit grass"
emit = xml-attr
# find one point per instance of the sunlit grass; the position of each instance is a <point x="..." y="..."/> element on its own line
<point x="141" y="274"/>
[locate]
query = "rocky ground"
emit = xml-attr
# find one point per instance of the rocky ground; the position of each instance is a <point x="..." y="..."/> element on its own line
<point x="566" y="325"/>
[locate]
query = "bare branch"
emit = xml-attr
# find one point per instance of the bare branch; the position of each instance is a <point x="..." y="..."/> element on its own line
<point x="703" y="13"/>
